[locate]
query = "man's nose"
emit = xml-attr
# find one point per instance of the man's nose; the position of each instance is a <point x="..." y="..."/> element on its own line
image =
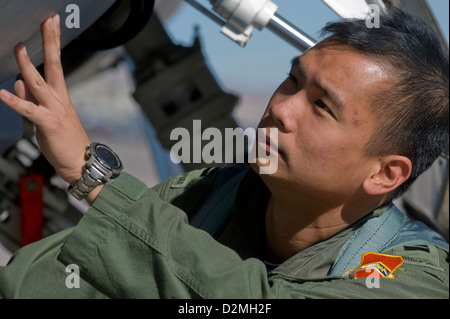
<point x="284" y="113"/>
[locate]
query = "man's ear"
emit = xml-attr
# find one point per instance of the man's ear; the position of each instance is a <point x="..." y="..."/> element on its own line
<point x="390" y="173"/>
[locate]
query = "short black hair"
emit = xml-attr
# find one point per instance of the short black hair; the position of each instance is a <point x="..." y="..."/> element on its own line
<point x="413" y="113"/>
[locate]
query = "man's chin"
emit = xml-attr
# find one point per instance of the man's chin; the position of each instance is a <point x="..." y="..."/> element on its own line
<point x="264" y="167"/>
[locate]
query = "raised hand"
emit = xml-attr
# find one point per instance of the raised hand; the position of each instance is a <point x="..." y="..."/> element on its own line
<point x="46" y="103"/>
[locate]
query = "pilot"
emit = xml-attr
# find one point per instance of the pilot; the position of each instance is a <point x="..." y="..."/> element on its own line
<point x="360" y="116"/>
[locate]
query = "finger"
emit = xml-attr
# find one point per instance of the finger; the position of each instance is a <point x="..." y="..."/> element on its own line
<point x="33" y="78"/>
<point x="22" y="91"/>
<point x="56" y="21"/>
<point x="53" y="71"/>
<point x="25" y="108"/>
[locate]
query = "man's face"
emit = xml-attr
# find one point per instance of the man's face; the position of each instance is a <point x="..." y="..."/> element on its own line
<point x="324" y="120"/>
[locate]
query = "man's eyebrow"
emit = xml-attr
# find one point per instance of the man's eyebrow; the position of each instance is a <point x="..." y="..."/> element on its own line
<point x="330" y="94"/>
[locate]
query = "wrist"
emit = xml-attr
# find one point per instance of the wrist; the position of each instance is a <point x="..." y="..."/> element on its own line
<point x="74" y="177"/>
<point x="77" y="167"/>
<point x="92" y="196"/>
<point x="102" y="164"/>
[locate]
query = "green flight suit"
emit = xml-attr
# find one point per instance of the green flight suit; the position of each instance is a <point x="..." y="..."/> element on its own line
<point x="135" y="242"/>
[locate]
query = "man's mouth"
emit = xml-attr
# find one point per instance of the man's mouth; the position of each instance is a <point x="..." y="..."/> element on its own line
<point x="269" y="143"/>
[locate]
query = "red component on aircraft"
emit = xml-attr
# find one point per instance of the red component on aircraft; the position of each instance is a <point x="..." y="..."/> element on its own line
<point x="31" y="207"/>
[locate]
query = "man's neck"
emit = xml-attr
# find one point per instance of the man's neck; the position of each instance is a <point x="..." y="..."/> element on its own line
<point x="292" y="228"/>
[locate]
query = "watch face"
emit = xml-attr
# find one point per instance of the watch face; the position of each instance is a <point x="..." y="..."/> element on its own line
<point x="107" y="156"/>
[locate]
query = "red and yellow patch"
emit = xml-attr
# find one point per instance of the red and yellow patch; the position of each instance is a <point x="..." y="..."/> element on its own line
<point x="383" y="266"/>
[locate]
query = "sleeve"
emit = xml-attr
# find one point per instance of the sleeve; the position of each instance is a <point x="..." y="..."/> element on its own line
<point x="133" y="244"/>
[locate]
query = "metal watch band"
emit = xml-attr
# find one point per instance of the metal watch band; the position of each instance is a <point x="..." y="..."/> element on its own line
<point x="90" y="179"/>
<point x="101" y="166"/>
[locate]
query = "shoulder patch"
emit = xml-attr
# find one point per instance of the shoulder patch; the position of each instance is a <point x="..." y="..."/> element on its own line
<point x="383" y="265"/>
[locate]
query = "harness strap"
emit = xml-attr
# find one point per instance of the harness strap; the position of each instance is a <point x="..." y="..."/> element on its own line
<point x="217" y="208"/>
<point x="382" y="233"/>
<point x="417" y="233"/>
<point x="374" y="235"/>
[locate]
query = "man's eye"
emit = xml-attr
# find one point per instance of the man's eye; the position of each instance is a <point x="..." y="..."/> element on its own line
<point x="292" y="78"/>
<point x="323" y="106"/>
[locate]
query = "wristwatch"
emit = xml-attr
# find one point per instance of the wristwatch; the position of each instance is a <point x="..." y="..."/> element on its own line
<point x="102" y="165"/>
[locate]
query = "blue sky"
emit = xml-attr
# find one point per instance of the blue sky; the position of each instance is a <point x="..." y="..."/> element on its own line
<point x="255" y="71"/>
